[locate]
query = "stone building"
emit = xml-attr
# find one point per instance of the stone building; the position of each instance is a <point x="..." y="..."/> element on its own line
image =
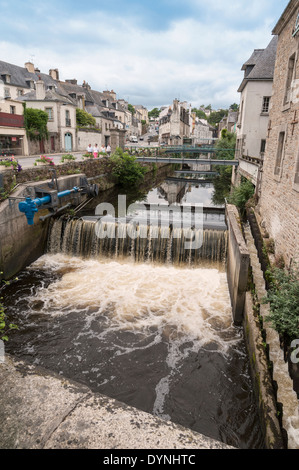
<point x="279" y="201"/>
<point x="174" y="123"/>
<point x="228" y="122"/>
<point x="60" y="100"/>
<point x="61" y="124"/>
<point x="201" y="132"/>
<point x="253" y="117"/>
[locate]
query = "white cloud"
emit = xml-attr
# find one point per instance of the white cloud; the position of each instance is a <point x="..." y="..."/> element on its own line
<point x="191" y="60"/>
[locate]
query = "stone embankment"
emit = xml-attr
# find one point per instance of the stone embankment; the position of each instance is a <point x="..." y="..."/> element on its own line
<point x="40" y="410"/>
<point x="287" y="410"/>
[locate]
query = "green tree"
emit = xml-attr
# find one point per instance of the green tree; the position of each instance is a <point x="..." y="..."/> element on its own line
<point x="36" y="123"/>
<point x="234" y="107"/>
<point x="154" y="113"/>
<point x="226" y="145"/>
<point x="216" y="116"/>
<point x="131" y="109"/>
<point x="222" y="184"/>
<point x="199" y="113"/>
<point x="125" y="169"/>
<point x="84" y="119"/>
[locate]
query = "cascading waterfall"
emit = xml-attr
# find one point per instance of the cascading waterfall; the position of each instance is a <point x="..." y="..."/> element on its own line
<point x="77" y="237"/>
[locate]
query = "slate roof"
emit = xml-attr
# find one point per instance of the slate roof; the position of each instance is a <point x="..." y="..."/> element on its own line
<point x="19" y="76"/>
<point x="261" y="64"/>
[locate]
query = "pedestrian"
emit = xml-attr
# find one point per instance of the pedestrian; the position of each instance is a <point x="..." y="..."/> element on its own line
<point x="103" y="149"/>
<point x="108" y="150"/>
<point x="89" y="149"/>
<point x="96" y="151"/>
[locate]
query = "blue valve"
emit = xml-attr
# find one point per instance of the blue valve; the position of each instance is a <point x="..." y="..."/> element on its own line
<point x="30" y="206"/>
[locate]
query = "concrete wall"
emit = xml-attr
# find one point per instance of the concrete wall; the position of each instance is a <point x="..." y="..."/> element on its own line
<point x="86" y="137"/>
<point x="237" y="263"/>
<point x="21" y="243"/>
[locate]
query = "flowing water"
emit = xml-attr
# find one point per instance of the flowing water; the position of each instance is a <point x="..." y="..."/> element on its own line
<point x="139" y="322"/>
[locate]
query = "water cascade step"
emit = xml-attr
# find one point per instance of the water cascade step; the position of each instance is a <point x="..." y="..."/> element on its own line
<point x="88" y="238"/>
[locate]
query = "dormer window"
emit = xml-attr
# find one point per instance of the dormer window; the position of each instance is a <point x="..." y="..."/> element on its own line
<point x="30" y="83"/>
<point x="6" y="77"/>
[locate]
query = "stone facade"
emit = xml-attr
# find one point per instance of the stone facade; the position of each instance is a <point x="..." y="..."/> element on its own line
<point x="174" y="123"/>
<point x="279" y="202"/>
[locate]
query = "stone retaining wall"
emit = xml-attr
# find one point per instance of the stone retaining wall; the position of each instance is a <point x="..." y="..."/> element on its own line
<point x="237" y="263"/>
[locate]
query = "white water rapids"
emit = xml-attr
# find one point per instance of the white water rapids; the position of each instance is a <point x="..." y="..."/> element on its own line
<point x="184" y="306"/>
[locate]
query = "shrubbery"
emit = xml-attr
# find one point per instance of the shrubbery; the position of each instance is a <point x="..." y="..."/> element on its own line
<point x="283" y="297"/>
<point x="241" y="195"/>
<point x="125" y="169"/>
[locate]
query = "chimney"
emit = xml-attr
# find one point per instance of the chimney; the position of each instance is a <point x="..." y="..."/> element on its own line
<point x="40" y="90"/>
<point x="73" y="81"/>
<point x="54" y="74"/>
<point x="30" y="67"/>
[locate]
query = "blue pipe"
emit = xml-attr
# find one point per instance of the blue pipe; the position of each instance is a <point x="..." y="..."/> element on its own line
<point x="30" y="206"/>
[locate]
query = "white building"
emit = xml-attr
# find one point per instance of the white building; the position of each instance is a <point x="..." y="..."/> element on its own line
<point x="253" y="119"/>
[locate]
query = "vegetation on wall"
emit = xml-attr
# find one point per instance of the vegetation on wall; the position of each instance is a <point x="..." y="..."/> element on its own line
<point x="35" y="121"/>
<point x="4" y="326"/>
<point x="283" y="297"/>
<point x="84" y="119"/>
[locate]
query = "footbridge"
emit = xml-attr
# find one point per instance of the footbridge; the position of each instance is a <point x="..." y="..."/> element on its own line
<point x="188" y="161"/>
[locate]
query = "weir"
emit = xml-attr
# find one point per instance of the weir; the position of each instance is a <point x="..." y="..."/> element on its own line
<point x="94" y="238"/>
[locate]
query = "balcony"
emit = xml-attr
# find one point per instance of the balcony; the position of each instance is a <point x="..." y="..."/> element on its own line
<point x="11" y="120"/>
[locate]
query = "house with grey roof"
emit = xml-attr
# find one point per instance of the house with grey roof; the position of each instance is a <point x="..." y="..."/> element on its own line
<point x="61" y="112"/>
<point x="253" y="119"/>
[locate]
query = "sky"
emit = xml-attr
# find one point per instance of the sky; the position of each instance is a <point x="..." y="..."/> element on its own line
<point x="148" y="51"/>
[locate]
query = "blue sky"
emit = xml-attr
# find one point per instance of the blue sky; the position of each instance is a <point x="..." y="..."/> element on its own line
<point x="148" y="51"/>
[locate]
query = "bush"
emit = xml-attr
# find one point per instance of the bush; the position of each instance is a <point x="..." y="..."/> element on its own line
<point x="226" y="146"/>
<point x="283" y="297"/>
<point x="84" y="119"/>
<point x="68" y="156"/>
<point x="241" y="194"/>
<point x="125" y="169"/>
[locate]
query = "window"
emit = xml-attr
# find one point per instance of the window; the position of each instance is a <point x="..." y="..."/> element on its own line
<point x="278" y="163"/>
<point x="50" y="114"/>
<point x="296" y="179"/>
<point x="6" y="93"/>
<point x="20" y="92"/>
<point x="67" y="118"/>
<point x="266" y="104"/>
<point x="12" y="110"/>
<point x="291" y="68"/>
<point x="263" y="146"/>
